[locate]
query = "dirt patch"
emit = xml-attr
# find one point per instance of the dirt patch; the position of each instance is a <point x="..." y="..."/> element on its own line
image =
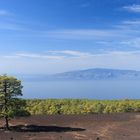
<point x="74" y="127"/>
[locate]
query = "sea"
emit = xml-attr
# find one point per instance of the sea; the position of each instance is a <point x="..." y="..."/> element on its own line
<point x="99" y="90"/>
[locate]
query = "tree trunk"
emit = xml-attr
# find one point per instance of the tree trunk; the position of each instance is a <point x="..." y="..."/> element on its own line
<point x="6" y="123"/>
<point x="5" y="105"/>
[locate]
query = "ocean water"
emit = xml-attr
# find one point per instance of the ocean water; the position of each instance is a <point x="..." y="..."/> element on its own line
<point x="82" y="89"/>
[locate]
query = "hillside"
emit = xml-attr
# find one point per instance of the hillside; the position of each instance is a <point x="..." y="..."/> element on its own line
<point x="98" y="74"/>
<point x="89" y="74"/>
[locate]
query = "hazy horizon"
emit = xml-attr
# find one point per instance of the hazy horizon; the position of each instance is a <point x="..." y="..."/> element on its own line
<point x="48" y="37"/>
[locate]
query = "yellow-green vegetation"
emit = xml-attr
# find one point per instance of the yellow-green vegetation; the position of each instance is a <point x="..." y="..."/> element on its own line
<point x="81" y="106"/>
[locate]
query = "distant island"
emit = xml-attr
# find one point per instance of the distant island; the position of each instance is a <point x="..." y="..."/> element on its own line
<point x="88" y="74"/>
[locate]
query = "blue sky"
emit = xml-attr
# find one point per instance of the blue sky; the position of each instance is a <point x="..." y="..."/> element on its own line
<point x="43" y="36"/>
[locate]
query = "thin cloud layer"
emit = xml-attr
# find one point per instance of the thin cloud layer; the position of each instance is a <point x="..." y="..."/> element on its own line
<point x="73" y="35"/>
<point x="132" y="8"/>
<point x="51" y="55"/>
<point x="4" y="13"/>
<point x="81" y="34"/>
<point x="37" y="63"/>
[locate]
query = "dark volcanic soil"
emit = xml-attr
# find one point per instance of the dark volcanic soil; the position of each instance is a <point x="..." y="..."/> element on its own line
<point x="74" y="127"/>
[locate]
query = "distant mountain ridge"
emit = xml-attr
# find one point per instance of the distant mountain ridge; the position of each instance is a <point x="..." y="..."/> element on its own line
<point x="88" y="74"/>
<point x="98" y="74"/>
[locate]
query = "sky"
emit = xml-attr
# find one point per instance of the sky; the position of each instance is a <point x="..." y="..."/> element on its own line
<point x="45" y="37"/>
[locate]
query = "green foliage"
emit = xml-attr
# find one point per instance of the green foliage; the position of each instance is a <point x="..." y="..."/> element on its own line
<point x="77" y="106"/>
<point x="10" y="104"/>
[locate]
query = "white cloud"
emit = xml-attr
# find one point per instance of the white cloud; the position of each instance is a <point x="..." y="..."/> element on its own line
<point x="132" y="22"/>
<point x="123" y="30"/>
<point x="33" y="56"/>
<point x="50" y="55"/>
<point x="70" y="53"/>
<point x="81" y="34"/>
<point x="133" y="43"/>
<point x="132" y="8"/>
<point x="4" y="13"/>
<point x="133" y="25"/>
<point x="9" y="21"/>
<point x="10" y="26"/>
<point x="128" y="27"/>
<point x="38" y="63"/>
